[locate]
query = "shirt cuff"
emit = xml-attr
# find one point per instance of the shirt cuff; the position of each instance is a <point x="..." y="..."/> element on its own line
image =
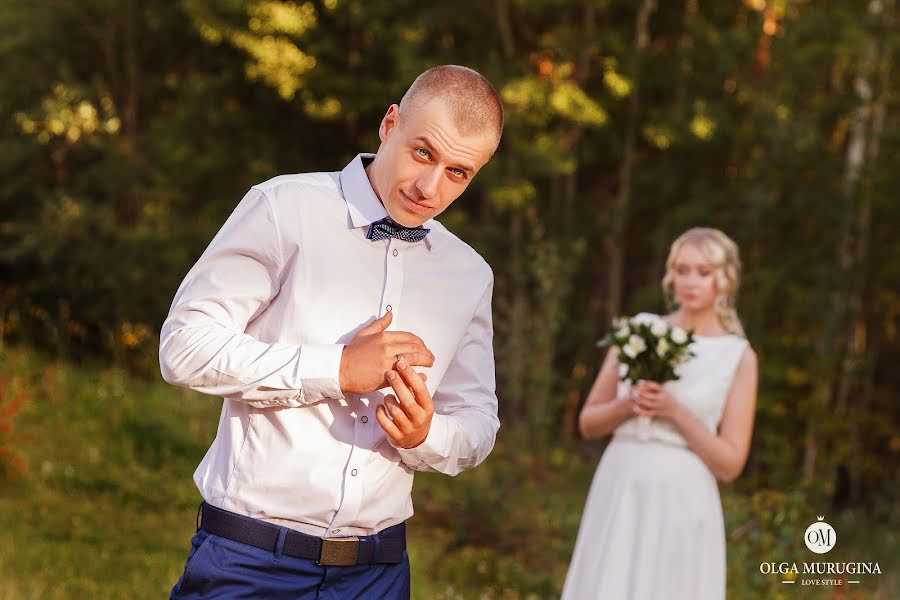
<point x="319" y="369"/>
<point x="434" y="450"/>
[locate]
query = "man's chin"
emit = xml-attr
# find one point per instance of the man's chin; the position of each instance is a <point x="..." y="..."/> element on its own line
<point x="407" y="218"/>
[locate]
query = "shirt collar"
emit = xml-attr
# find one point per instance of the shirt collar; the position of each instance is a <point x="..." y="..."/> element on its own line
<point x="363" y="205"/>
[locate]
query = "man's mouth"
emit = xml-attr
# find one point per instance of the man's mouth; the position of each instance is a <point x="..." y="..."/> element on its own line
<point x="415" y="205"/>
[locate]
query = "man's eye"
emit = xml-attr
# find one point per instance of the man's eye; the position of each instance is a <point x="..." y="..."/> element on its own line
<point x="458" y="172"/>
<point x="422" y="152"/>
<point x="704" y="273"/>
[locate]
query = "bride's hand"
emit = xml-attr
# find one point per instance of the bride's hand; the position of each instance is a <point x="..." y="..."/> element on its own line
<point x="653" y="400"/>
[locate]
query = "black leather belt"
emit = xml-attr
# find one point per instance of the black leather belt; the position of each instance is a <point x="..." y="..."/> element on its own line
<point x="386" y="546"/>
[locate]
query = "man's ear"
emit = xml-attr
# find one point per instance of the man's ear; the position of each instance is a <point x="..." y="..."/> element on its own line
<point x="389" y="122"/>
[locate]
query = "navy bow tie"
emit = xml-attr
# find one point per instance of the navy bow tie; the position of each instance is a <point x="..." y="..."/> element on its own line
<point x="385" y="228"/>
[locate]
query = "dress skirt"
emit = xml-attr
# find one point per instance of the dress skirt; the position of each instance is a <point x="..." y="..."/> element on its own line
<point x="652" y="528"/>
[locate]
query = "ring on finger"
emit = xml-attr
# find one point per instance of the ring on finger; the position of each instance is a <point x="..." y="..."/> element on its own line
<point x="634" y="394"/>
<point x="399" y="357"/>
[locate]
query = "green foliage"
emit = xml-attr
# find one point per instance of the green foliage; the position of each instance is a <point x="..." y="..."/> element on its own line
<point x="106" y="506"/>
<point x="132" y="129"/>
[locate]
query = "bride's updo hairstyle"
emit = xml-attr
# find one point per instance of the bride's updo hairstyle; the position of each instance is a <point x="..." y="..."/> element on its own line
<point x="722" y="253"/>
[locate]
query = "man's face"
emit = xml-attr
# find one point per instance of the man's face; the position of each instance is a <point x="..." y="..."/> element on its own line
<point x="424" y="163"/>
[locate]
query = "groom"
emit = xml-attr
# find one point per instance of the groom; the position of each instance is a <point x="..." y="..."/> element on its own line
<point x="321" y="293"/>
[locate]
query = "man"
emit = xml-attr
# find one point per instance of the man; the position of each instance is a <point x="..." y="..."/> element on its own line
<point x="318" y="296"/>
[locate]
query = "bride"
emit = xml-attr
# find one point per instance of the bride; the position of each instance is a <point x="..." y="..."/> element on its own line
<point x="652" y="525"/>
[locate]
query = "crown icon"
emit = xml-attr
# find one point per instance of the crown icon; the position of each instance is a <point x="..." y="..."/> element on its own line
<point x="820" y="517"/>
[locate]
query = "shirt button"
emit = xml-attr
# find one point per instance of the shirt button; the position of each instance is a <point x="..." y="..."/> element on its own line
<point x="365" y="419"/>
<point x="335" y="531"/>
<point x="389" y="308"/>
<point x="354" y="472"/>
<point x="396" y="252"/>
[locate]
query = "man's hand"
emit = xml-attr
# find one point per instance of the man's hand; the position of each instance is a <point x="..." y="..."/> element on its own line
<point x="373" y="351"/>
<point x="411" y="409"/>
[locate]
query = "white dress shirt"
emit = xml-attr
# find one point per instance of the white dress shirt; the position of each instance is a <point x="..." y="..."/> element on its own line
<point x="262" y="319"/>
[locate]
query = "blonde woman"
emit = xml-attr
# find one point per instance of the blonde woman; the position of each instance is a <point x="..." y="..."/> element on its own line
<point x="652" y="525"/>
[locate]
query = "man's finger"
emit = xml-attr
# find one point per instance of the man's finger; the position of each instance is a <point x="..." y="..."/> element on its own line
<point x="418" y="359"/>
<point x="401" y="421"/>
<point x="378" y="325"/>
<point x="422" y="396"/>
<point x="407" y="349"/>
<point x="385" y="383"/>
<point x="405" y="396"/>
<point x="385" y="421"/>
<point x="403" y="337"/>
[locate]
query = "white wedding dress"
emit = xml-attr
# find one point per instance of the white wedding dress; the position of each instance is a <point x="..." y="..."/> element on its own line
<point x="652" y="526"/>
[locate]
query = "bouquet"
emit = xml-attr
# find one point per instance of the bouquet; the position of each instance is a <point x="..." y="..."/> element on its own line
<point x="650" y="349"/>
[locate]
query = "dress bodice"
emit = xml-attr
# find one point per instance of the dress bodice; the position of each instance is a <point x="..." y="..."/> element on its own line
<point x="703" y="386"/>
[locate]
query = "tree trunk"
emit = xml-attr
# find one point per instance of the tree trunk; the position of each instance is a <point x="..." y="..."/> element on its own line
<point x="120" y="53"/>
<point x="582" y="71"/>
<point x="515" y="349"/>
<point x="841" y="376"/>
<point x="615" y="242"/>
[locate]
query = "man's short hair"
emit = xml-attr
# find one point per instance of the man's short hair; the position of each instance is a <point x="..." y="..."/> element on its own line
<point x="474" y="104"/>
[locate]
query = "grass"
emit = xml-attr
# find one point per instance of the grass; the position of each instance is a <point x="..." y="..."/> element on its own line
<point x="105" y="505"/>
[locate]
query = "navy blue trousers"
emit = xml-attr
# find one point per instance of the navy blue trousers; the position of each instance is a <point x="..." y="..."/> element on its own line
<point x="224" y="569"/>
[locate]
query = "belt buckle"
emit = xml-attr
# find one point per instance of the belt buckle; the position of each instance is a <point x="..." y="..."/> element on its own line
<point x="339" y="552"/>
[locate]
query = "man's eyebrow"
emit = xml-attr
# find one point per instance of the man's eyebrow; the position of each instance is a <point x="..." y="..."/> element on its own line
<point x="430" y="147"/>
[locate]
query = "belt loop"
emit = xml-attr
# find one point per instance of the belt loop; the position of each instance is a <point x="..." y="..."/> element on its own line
<point x="279" y="544"/>
<point x="199" y="510"/>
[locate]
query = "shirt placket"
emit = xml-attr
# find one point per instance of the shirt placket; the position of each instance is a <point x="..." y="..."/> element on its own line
<point x="365" y="427"/>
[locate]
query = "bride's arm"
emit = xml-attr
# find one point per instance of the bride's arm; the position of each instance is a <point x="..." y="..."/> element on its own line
<point x="603" y="411"/>
<point x="726" y="453"/>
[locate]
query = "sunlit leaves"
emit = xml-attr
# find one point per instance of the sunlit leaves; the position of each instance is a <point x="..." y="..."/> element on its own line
<point x="514" y="196"/>
<point x="269" y="33"/>
<point x="619" y="85"/>
<point x="271" y="17"/>
<point x="702" y="126"/>
<point x="66" y="114"/>
<point x="540" y="100"/>
<point x="658" y="135"/>
<point x="275" y="60"/>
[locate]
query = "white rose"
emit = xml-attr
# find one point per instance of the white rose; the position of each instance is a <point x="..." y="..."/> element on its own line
<point x="659" y="328"/>
<point x="662" y="347"/>
<point x="629" y="351"/>
<point x="623" y="331"/>
<point x="637" y="343"/>
<point x="645" y="319"/>
<point x="678" y="335"/>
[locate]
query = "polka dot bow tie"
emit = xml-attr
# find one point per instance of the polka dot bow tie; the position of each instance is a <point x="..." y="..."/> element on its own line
<point x="385" y="228"/>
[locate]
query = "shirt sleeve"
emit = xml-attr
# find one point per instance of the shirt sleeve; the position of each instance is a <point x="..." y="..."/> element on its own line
<point x="464" y="426"/>
<point x="203" y="344"/>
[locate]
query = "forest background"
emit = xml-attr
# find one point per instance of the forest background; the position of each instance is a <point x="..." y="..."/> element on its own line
<point x="130" y="129"/>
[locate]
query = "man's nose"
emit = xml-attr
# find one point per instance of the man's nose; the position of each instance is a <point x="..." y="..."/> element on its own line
<point x="429" y="181"/>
